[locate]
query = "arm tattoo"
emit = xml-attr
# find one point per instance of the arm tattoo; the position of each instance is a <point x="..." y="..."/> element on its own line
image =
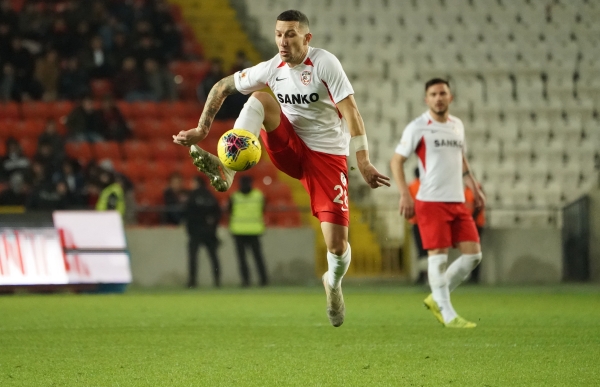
<point x="217" y="95"/>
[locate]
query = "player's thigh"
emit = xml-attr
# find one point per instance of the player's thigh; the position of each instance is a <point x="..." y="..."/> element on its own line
<point x="271" y="108"/>
<point x="336" y="237"/>
<point x="464" y="230"/>
<point x="434" y="226"/>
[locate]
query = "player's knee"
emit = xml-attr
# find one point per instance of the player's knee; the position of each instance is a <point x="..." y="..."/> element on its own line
<point x="473" y="259"/>
<point x="337" y="247"/>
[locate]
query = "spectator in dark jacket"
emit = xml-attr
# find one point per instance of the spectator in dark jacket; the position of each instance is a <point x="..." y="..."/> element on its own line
<point x="14" y="161"/>
<point x="175" y="197"/>
<point x="113" y="124"/>
<point x="73" y="82"/>
<point x="83" y="123"/>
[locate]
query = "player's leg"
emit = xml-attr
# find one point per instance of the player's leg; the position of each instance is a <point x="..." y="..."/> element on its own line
<point x="439" y="301"/>
<point x="338" y="261"/>
<point x="466" y="238"/>
<point x="255" y="246"/>
<point x="240" y="246"/>
<point x="193" y="246"/>
<point x="260" y="110"/>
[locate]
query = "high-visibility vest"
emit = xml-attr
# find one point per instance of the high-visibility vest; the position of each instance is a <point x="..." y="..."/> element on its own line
<point x="113" y="189"/>
<point x="247" y="213"/>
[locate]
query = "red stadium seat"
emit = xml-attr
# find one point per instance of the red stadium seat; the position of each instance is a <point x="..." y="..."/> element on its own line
<point x="160" y="170"/>
<point x="101" y="88"/>
<point x="187" y="169"/>
<point x="167" y="151"/>
<point x="81" y="151"/>
<point x="126" y="109"/>
<point x="10" y="110"/>
<point x="7" y="126"/>
<point x="60" y="109"/>
<point x="136" y="170"/>
<point x="36" y="110"/>
<point x="136" y="149"/>
<point x="148" y="129"/>
<point x="146" y="110"/>
<point x="2" y="147"/>
<point x="30" y="128"/>
<point x="29" y="146"/>
<point x="106" y="150"/>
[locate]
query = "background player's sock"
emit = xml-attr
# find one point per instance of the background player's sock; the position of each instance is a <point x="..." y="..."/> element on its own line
<point x="439" y="285"/>
<point x="251" y="117"/>
<point x="338" y="266"/>
<point x="459" y="270"/>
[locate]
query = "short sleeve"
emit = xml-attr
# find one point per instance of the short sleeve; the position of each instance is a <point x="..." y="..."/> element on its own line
<point x="335" y="78"/>
<point x="408" y="142"/>
<point x="252" y="79"/>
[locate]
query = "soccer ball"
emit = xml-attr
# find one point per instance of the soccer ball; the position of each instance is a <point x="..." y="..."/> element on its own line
<point x="239" y="149"/>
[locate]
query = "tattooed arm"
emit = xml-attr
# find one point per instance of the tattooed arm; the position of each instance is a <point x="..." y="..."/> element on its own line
<point x="217" y="95"/>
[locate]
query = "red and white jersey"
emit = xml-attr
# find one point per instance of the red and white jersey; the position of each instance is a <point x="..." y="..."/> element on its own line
<point x="439" y="148"/>
<point x="308" y="94"/>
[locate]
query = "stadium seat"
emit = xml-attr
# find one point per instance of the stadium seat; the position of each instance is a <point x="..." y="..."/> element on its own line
<point x="61" y="109"/>
<point x="167" y="151"/>
<point x="30" y="128"/>
<point x="144" y="110"/>
<point x="160" y="170"/>
<point x="148" y="128"/>
<point x="36" y="110"/>
<point x="101" y="88"/>
<point x="10" y="110"/>
<point x="106" y="150"/>
<point x="137" y="170"/>
<point x="80" y="151"/>
<point x="136" y="149"/>
<point x="29" y="146"/>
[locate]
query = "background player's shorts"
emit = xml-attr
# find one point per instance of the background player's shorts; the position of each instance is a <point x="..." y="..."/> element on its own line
<point x="444" y="224"/>
<point x="324" y="176"/>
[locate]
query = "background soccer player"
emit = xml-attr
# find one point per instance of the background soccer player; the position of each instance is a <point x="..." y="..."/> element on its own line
<point x="438" y="139"/>
<point x="304" y="135"/>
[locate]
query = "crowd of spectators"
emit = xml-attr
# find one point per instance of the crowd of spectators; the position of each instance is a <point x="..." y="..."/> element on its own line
<point x="53" y="49"/>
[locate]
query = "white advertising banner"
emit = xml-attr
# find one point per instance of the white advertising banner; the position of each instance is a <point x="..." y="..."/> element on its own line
<point x="94" y="245"/>
<point x="31" y="256"/>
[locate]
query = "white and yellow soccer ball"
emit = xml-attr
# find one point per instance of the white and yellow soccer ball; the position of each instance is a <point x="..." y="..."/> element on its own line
<point x="238" y="149"/>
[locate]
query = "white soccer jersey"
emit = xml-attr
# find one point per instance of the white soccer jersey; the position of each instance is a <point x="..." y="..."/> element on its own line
<point x="308" y="94"/>
<point x="439" y="148"/>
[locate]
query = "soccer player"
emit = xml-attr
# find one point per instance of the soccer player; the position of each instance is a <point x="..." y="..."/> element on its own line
<point x="438" y="140"/>
<point x="304" y="135"/>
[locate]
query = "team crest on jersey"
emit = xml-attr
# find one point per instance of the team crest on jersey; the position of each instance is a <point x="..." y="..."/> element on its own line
<point x="306" y="77"/>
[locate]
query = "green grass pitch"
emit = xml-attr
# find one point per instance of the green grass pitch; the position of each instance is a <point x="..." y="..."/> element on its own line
<point x="527" y="336"/>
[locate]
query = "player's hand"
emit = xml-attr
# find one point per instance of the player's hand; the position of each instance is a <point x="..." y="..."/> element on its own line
<point x="373" y="178"/>
<point x="407" y="206"/>
<point x="189" y="137"/>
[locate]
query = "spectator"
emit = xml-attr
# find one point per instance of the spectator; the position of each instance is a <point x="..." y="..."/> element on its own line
<point x="128" y="83"/>
<point x="108" y="31"/>
<point x="73" y="82"/>
<point x="159" y="82"/>
<point x="74" y="180"/>
<point x="16" y="193"/>
<point x="37" y="176"/>
<point x="203" y="214"/>
<point x="14" y="161"/>
<point x="10" y="89"/>
<point x="46" y="156"/>
<point x="241" y="62"/>
<point x="63" y="40"/>
<point x="170" y="41"/>
<point x="83" y="123"/>
<point x="32" y="22"/>
<point x="6" y="35"/>
<point x="23" y="64"/>
<point x="112" y="196"/>
<point x="246" y="224"/>
<point x="214" y="75"/>
<point x="175" y="198"/>
<point x="49" y="196"/>
<point x="120" y="48"/>
<point x="96" y="60"/>
<point x="147" y="50"/>
<point x="47" y="73"/>
<point x="56" y="140"/>
<point x="8" y="14"/>
<point x="113" y="124"/>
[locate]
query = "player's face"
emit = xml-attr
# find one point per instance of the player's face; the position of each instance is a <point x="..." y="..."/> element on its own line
<point x="292" y="41"/>
<point x="438" y="98"/>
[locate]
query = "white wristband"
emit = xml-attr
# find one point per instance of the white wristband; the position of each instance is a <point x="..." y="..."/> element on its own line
<point x="360" y="143"/>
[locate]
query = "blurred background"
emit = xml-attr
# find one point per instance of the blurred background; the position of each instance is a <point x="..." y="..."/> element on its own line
<point x="92" y="91"/>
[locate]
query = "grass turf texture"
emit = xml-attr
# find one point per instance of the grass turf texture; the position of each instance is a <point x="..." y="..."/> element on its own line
<point x="537" y="336"/>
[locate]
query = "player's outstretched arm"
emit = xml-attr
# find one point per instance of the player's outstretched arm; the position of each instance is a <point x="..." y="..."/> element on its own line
<point x="349" y="111"/>
<point x="470" y="181"/>
<point x="407" y="204"/>
<point x="217" y="95"/>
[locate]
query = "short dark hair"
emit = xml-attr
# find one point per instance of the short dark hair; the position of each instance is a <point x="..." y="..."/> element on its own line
<point x="293" y="15"/>
<point x="435" y="81"/>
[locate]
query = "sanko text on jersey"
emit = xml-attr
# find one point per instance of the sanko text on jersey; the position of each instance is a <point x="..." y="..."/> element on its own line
<point x="448" y="143"/>
<point x="294" y="99"/>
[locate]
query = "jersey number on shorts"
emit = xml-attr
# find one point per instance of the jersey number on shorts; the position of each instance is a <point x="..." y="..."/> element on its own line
<point x="342" y="197"/>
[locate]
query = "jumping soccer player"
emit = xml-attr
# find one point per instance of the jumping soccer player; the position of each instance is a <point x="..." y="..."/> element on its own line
<point x="305" y="134"/>
<point x="438" y="139"/>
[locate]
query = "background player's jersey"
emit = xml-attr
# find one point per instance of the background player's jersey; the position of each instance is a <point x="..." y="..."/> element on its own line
<point x="439" y="148"/>
<point x="308" y="94"/>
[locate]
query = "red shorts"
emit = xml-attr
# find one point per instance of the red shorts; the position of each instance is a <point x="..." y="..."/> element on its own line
<point x="324" y="176"/>
<point x="443" y="225"/>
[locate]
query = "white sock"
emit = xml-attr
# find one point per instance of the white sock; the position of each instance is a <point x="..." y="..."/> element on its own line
<point x="338" y="266"/>
<point x="251" y="117"/>
<point x="439" y="285"/>
<point x="460" y="269"/>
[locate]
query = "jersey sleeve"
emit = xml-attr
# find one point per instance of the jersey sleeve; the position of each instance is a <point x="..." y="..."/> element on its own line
<point x="408" y="141"/>
<point x="252" y="79"/>
<point x="335" y="78"/>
